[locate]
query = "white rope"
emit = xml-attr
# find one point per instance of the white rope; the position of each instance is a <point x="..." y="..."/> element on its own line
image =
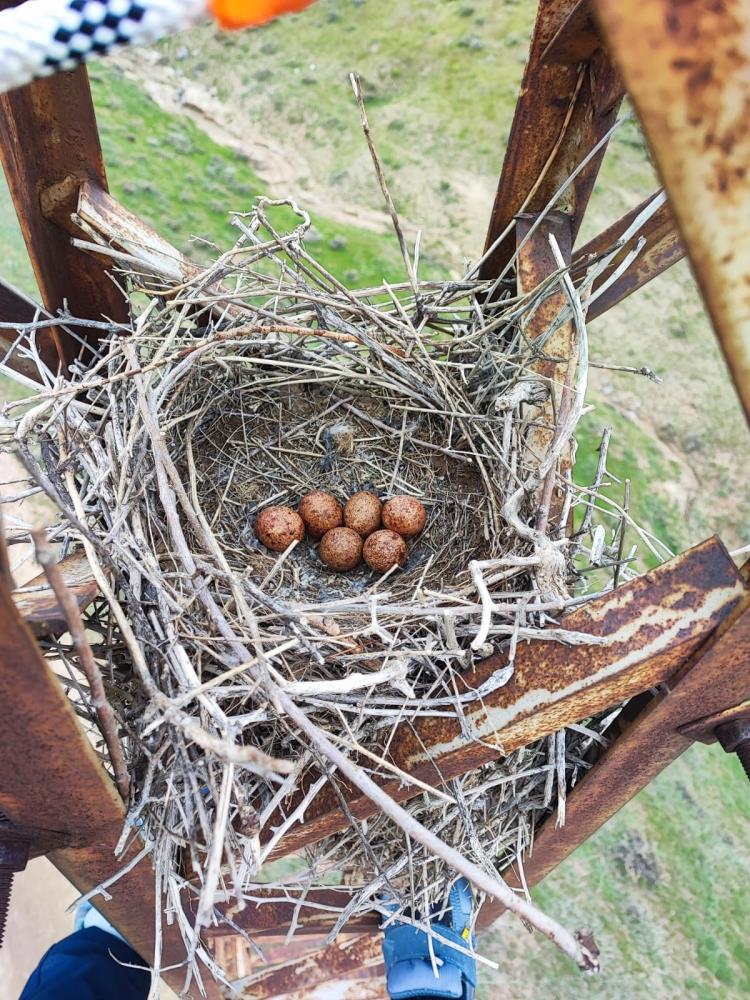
<point x="41" y="37"/>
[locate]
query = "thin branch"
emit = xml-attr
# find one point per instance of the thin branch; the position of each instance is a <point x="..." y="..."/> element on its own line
<point x="104" y="712"/>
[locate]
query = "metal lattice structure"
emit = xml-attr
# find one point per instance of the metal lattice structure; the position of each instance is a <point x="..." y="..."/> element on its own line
<point x="682" y="631"/>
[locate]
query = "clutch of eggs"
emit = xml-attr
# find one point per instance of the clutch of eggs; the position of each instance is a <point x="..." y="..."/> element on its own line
<point x="364" y="527"/>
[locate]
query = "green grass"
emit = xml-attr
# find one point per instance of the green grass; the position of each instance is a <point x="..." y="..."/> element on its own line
<point x="440" y="79"/>
<point x="400" y="51"/>
<point x="682" y="935"/>
<point x="636" y="456"/>
<point x="184" y="184"/>
<point x="16" y="269"/>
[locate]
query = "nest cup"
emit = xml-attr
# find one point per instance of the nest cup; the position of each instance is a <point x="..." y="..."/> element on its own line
<point x="274" y="420"/>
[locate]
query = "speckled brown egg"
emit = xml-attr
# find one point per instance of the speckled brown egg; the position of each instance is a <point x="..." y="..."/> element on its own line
<point x="363" y="513"/>
<point x="404" y="515"/>
<point x="384" y="548"/>
<point x="321" y="512"/>
<point x="341" y="549"/>
<point x="278" y="527"/>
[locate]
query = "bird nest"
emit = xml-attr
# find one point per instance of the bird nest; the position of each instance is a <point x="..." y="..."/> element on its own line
<point x="246" y="685"/>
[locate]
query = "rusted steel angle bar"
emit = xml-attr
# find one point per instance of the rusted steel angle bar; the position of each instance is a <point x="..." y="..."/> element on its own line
<point x="51" y="778"/>
<point x="37" y="604"/>
<point x="354" y="958"/>
<point x="686" y="69"/>
<point x="48" y="132"/>
<point x="703" y="729"/>
<point x="313" y="911"/>
<point x="715" y="678"/>
<point x="104" y="229"/>
<point x="558" y="355"/>
<point x="344" y="989"/>
<point x="649" y="627"/>
<point x="713" y="685"/>
<point x="663" y="248"/>
<point x="109" y="232"/>
<point x="564" y="109"/>
<point x="577" y="38"/>
<point x="15" y="307"/>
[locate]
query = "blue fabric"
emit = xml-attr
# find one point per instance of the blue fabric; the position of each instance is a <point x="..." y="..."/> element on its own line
<point x="404" y="943"/>
<point x="81" y="967"/>
<point x="407" y="954"/>
<point x="415" y="978"/>
<point x="461" y="902"/>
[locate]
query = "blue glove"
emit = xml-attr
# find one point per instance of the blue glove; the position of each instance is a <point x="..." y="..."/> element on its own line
<point x="406" y="949"/>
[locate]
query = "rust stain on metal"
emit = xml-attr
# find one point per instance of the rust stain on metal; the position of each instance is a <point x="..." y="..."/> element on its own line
<point x="41" y="611"/>
<point x="40" y="841"/>
<point x="48" y="132"/>
<point x="563" y="110"/>
<point x="576" y="40"/>
<point x="38" y="717"/>
<point x="349" y="958"/>
<point x="703" y="730"/>
<point x="687" y="68"/>
<point x="716" y="677"/>
<point x="265" y="913"/>
<point x="557" y="362"/>
<point x="662" y="249"/>
<point x="652" y="625"/>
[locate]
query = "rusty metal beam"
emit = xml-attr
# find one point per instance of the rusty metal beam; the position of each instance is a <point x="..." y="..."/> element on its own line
<point x="344" y="989"/>
<point x="313" y="911"/>
<point x="352" y="958"/>
<point x="577" y="38"/>
<point x="662" y="249"/>
<point x="557" y="362"/>
<point x="104" y="228"/>
<point x="563" y="110"/>
<point x="48" y="132"/>
<point x="51" y="779"/>
<point x="39" y="607"/>
<point x="15" y="307"/>
<point x="712" y="687"/>
<point x="686" y="69"/>
<point x="703" y="730"/>
<point x="714" y="679"/>
<point x="651" y="626"/>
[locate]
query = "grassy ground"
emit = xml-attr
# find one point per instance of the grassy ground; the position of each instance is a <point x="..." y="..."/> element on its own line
<point x="662" y="883"/>
<point x="185" y="184"/>
<point x="440" y="80"/>
<point x="664" y="886"/>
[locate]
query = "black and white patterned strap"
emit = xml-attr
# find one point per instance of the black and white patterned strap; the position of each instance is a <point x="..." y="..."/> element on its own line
<point x="43" y="36"/>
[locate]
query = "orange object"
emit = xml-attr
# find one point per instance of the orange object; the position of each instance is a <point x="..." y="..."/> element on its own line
<point x="249" y="13"/>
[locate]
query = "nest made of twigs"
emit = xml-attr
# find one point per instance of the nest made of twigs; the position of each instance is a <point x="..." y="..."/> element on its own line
<point x="257" y="380"/>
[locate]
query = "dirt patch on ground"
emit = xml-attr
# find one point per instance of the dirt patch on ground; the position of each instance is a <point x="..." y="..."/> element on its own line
<point x="283" y="168"/>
